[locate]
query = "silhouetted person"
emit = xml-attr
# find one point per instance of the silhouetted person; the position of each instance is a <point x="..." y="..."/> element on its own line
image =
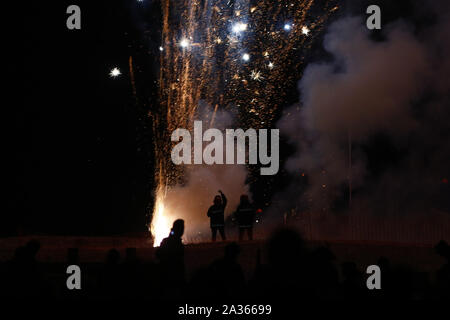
<point x="443" y="249"/>
<point x="24" y="276"/>
<point x="443" y="274"/>
<point x="323" y="273"/>
<point x="131" y="256"/>
<point x="133" y="274"/>
<point x="72" y="256"/>
<point x="287" y="275"/>
<point x="353" y="284"/>
<point x="226" y="275"/>
<point x="387" y="280"/>
<point x="216" y="215"/>
<point x="245" y="216"/>
<point x="171" y="256"/>
<point x="111" y="281"/>
<point x="72" y="259"/>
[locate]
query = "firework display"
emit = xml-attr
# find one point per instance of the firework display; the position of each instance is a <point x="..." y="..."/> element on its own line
<point x="238" y="56"/>
<point x="227" y="158"/>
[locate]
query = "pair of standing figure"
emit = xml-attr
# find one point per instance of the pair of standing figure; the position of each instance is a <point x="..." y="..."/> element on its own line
<point x="245" y="215"/>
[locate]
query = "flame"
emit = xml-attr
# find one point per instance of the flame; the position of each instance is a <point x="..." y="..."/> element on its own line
<point x="161" y="225"/>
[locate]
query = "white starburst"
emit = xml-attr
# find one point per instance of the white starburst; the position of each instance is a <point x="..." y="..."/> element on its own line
<point x="184" y="43"/>
<point x="305" y="30"/>
<point x="115" y="73"/>
<point x="256" y="75"/>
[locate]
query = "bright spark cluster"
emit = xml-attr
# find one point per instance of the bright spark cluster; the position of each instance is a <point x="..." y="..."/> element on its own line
<point x="115" y="72"/>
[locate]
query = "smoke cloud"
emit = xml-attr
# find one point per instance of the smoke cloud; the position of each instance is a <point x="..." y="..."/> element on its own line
<point x="397" y="88"/>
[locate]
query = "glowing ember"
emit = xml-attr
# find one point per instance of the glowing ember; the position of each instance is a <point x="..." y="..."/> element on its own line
<point x="115" y="73"/>
<point x="256" y="75"/>
<point x="238" y="27"/>
<point x="184" y="43"/>
<point x="305" y="31"/>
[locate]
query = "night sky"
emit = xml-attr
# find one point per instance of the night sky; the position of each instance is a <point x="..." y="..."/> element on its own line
<point x="80" y="164"/>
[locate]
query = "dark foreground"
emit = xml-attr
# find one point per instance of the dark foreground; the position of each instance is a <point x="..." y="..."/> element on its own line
<point x="283" y="268"/>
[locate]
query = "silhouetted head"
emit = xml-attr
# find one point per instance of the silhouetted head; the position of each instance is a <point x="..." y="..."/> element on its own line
<point x="113" y="257"/>
<point x="349" y="269"/>
<point x="131" y="254"/>
<point x="20" y="253"/>
<point x="443" y="249"/>
<point x="244" y="199"/>
<point x="178" y="228"/>
<point x="32" y="248"/>
<point x="323" y="254"/>
<point x="285" y="247"/>
<point x="232" y="251"/>
<point x="384" y="263"/>
<point x="72" y="255"/>
<point x="217" y="200"/>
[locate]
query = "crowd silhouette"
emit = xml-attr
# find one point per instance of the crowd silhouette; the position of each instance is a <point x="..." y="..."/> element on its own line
<point x="292" y="271"/>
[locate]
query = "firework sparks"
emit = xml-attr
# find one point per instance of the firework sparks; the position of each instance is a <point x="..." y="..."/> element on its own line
<point x="184" y="43"/>
<point x="305" y="30"/>
<point x="256" y="75"/>
<point x="114" y="73"/>
<point x="239" y="27"/>
<point x="216" y="71"/>
<point x="287" y="27"/>
<point x="160" y="224"/>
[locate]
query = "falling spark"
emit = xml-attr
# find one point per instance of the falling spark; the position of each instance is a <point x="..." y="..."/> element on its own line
<point x="184" y="43"/>
<point x="239" y="27"/>
<point x="133" y="82"/>
<point x="256" y="75"/>
<point x="305" y="30"/>
<point x="115" y="73"/>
